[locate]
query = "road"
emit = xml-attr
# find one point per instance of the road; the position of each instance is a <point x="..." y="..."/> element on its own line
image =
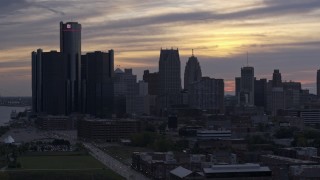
<point x="114" y="164"/>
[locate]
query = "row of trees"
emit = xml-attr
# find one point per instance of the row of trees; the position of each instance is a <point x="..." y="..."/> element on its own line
<point x="157" y="142"/>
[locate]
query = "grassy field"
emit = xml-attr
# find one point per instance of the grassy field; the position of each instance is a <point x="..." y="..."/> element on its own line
<point x="59" y="162"/>
<point x="60" y="175"/>
<point x="62" y="167"/>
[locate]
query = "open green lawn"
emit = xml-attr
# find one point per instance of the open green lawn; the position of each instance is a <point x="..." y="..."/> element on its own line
<point x="59" y="162"/>
<point x="60" y="175"/>
<point x="62" y="167"/>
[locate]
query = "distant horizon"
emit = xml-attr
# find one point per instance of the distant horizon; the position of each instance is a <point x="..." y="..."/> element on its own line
<point x="277" y="34"/>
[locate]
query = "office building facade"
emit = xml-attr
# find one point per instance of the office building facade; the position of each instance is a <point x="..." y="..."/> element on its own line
<point x="245" y="87"/>
<point x="49" y="88"/>
<point x="153" y="82"/>
<point x="97" y="83"/>
<point x="169" y="79"/>
<point x="318" y="83"/>
<point x="276" y="94"/>
<point x="125" y="86"/>
<point x="207" y="94"/>
<point x="70" y="46"/>
<point x="260" y="93"/>
<point x="192" y="72"/>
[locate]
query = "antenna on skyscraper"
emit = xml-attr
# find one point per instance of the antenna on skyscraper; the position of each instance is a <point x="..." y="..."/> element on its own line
<point x="192" y="52"/>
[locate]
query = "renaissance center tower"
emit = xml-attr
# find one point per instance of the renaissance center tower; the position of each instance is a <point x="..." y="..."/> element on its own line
<point x="70" y="46"/>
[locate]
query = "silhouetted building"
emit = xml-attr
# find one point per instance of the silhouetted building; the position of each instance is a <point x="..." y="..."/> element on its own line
<point x="276" y="78"/>
<point x="169" y="78"/>
<point x="138" y="104"/>
<point x="49" y="83"/>
<point x="276" y="94"/>
<point x="318" y="83"/>
<point x="153" y="82"/>
<point x="192" y="71"/>
<point x="97" y="74"/>
<point x="207" y="94"/>
<point x="260" y="93"/>
<point x="246" y="90"/>
<point x="57" y="122"/>
<point x="70" y="46"/>
<point x="125" y="86"/>
<point x="292" y="91"/>
<point x="107" y="129"/>
<point x="237" y="87"/>
<point x="238" y="172"/>
<point x="172" y="122"/>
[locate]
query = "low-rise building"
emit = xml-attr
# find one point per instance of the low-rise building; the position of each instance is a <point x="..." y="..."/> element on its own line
<point x="213" y="134"/>
<point x="107" y="129"/>
<point x="50" y="122"/>
<point x="238" y="171"/>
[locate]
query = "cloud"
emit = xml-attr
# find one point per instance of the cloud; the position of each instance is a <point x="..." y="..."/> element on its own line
<point x="278" y="34"/>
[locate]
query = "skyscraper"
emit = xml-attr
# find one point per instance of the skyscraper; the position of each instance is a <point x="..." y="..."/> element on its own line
<point x="318" y="83"/>
<point x="70" y="45"/>
<point x="125" y="86"/>
<point x="207" y="94"/>
<point x="153" y="81"/>
<point x="192" y="71"/>
<point x="292" y="94"/>
<point x="276" y="94"/>
<point x="260" y="93"/>
<point x="48" y="82"/>
<point x="169" y="71"/>
<point x="97" y="80"/>
<point x="169" y="78"/>
<point x="276" y="78"/>
<point x="246" y="90"/>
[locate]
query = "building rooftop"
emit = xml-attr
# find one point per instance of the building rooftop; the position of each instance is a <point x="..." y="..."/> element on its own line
<point x="292" y="160"/>
<point x="236" y="168"/>
<point x="118" y="71"/>
<point x="181" y="172"/>
<point x="213" y="131"/>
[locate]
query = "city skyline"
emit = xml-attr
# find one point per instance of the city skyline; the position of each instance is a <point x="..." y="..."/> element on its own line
<point x="277" y="35"/>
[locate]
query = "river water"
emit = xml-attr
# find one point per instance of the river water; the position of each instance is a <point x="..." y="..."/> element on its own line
<point x="5" y="113"/>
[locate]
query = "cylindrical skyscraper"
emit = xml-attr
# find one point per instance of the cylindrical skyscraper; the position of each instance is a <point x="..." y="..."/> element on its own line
<point x="70" y="45"/>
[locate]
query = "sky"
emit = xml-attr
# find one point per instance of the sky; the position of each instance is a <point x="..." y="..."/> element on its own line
<point x="277" y="34"/>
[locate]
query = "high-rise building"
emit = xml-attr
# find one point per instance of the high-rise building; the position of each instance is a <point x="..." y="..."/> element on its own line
<point x="169" y="78"/>
<point x="275" y="94"/>
<point x="169" y="71"/>
<point x="276" y="78"/>
<point x="125" y="86"/>
<point x="292" y="94"/>
<point x="153" y="82"/>
<point x="192" y="71"/>
<point x="139" y="104"/>
<point x="48" y="82"/>
<point x="245" y="93"/>
<point x="70" y="46"/>
<point x="237" y="81"/>
<point x="97" y="91"/>
<point x="260" y="93"/>
<point x="207" y="94"/>
<point x="318" y="83"/>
